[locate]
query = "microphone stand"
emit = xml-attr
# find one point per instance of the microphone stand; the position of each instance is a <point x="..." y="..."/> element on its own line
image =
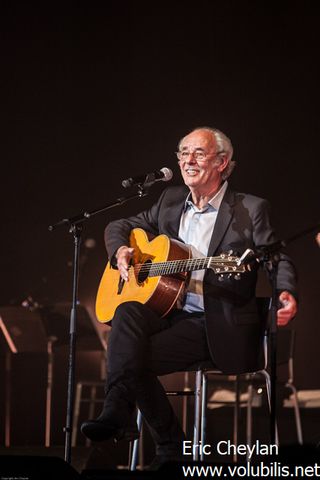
<point x="75" y="225"/>
<point x="271" y="254"/>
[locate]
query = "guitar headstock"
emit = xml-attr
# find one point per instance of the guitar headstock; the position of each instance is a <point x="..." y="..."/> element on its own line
<point x="227" y="265"/>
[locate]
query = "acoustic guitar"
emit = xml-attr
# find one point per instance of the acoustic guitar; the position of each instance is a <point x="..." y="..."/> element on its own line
<point x="157" y="274"/>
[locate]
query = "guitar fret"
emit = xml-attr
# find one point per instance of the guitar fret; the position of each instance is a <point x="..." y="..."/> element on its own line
<point x="177" y="266"/>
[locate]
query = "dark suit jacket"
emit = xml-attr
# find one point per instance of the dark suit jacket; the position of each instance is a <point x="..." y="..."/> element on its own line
<point x="234" y="325"/>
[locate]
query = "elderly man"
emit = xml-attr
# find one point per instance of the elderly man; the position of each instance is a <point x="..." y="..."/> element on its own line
<point x="214" y="320"/>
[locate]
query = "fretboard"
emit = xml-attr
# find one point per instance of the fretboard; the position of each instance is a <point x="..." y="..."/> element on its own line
<point x="178" y="266"/>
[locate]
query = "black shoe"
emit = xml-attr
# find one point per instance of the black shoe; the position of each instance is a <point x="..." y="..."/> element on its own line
<point x="100" y="430"/>
<point x="117" y="419"/>
<point x="112" y="423"/>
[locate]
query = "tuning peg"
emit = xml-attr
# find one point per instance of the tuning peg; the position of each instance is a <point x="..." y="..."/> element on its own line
<point x="230" y="252"/>
<point x="221" y="277"/>
<point x="237" y="276"/>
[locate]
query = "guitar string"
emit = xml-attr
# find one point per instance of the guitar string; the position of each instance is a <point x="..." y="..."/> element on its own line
<point x="182" y="265"/>
<point x="187" y="263"/>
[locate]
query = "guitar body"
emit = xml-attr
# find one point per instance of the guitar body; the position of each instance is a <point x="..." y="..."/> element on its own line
<point x="160" y="293"/>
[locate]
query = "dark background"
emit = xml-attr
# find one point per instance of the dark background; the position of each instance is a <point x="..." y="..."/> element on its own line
<point x="94" y="94"/>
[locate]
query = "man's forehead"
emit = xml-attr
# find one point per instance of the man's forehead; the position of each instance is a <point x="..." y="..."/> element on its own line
<point x="198" y="139"/>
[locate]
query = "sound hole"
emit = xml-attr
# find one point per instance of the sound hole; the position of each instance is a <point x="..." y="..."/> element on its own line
<point x="144" y="271"/>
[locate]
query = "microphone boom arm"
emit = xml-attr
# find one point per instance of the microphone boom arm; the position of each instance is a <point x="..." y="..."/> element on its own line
<point x="80" y="218"/>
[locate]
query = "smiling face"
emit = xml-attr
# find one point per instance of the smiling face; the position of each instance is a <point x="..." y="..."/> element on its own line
<point x="201" y="162"/>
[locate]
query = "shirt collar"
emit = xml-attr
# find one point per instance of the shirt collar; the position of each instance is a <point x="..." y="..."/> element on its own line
<point x="214" y="202"/>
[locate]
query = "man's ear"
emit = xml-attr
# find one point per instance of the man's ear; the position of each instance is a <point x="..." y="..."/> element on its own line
<point x="223" y="163"/>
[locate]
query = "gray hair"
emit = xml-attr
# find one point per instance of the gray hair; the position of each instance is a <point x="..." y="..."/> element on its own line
<point x="224" y="145"/>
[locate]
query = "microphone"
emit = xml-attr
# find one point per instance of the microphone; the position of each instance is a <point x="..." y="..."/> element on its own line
<point x="164" y="175"/>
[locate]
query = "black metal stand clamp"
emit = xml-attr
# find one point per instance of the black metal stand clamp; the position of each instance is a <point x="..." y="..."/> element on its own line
<point x="75" y="225"/>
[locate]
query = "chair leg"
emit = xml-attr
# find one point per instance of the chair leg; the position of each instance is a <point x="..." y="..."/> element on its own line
<point x="296" y="412"/>
<point x="141" y="446"/>
<point x="196" y="427"/>
<point x="236" y="416"/>
<point x="135" y="445"/>
<point x="268" y="387"/>
<point x="186" y="388"/>
<point x="203" y="421"/>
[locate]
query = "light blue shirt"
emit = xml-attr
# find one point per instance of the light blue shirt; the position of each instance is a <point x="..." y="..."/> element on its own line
<point x="196" y="228"/>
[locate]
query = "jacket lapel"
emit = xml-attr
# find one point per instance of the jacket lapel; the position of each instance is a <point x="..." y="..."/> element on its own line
<point x="224" y="217"/>
<point x="174" y="212"/>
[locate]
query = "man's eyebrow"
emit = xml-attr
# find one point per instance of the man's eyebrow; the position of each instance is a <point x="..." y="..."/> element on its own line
<point x="197" y="148"/>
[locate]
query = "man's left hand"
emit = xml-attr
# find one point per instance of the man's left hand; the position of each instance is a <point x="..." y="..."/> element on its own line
<point x="289" y="309"/>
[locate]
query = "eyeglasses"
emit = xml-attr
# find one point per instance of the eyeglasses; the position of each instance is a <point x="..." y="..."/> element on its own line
<point x="199" y="155"/>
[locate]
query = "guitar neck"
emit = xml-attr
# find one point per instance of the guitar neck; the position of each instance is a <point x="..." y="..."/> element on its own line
<point x="177" y="266"/>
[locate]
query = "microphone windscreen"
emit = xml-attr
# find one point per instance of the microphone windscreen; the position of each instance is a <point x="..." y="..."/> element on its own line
<point x="167" y="174"/>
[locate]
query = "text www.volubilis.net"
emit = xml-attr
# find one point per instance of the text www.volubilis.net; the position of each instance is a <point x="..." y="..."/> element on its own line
<point x="273" y="469"/>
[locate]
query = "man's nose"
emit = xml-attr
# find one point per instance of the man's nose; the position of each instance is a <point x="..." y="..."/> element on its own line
<point x="191" y="158"/>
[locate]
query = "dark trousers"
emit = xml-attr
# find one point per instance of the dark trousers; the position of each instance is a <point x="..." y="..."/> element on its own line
<point x="141" y="347"/>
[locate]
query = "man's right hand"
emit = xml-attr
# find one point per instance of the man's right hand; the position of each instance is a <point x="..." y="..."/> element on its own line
<point x="123" y="256"/>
